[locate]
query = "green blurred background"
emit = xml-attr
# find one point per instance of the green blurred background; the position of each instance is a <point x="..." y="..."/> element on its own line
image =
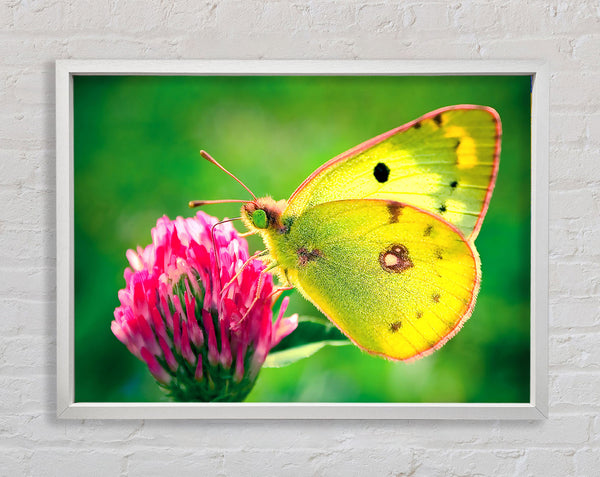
<point x="136" y="158"/>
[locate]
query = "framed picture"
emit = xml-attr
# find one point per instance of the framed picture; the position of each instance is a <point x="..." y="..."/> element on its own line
<point x="407" y="278"/>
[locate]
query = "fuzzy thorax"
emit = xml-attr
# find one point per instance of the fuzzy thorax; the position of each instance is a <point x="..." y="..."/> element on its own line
<point x="264" y="216"/>
<point x="253" y="219"/>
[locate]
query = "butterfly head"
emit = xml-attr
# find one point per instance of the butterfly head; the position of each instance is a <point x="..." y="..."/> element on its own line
<point x="263" y="214"/>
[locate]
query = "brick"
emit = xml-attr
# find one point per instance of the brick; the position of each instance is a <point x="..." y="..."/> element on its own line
<point x="585" y="49"/>
<point x="26" y="247"/>
<point x="43" y="15"/>
<point x="566" y="430"/>
<point x="137" y="16"/>
<point x="547" y="462"/>
<point x="378" y="18"/>
<point x="574" y="313"/>
<point x="15" y="461"/>
<point x="362" y="460"/>
<point x="587" y="461"/>
<point x="333" y="16"/>
<point x="34" y="86"/>
<point x="570" y="391"/>
<point x="567" y="128"/>
<point x="574" y="279"/>
<point x="7" y="15"/>
<point x="22" y="395"/>
<point x="26" y="207"/>
<point x="163" y="461"/>
<point x="434" y="16"/>
<point x="30" y="283"/>
<point x="21" y="124"/>
<point x="88" y="15"/>
<point x="575" y="165"/>
<point x="178" y="17"/>
<point x="586" y="94"/>
<point x="558" y="49"/>
<point x="133" y="48"/>
<point x="224" y="434"/>
<point x="25" y="169"/>
<point x="19" y="51"/>
<point x="23" y="355"/>
<point x="574" y="17"/>
<point x="27" y="317"/>
<point x="66" y="461"/>
<point x="575" y="350"/>
<point x="483" y="16"/>
<point x="319" y="461"/>
<point x="574" y="204"/>
<point x="567" y="238"/>
<point x="266" y="18"/>
<point x="467" y="462"/>
<point x="104" y="432"/>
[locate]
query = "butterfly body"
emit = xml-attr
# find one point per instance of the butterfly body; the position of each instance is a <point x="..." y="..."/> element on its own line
<point x="381" y="238"/>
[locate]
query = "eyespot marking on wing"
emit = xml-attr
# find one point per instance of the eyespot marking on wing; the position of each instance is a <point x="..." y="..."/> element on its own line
<point x="436" y="297"/>
<point x="394" y="327"/>
<point x="395" y="259"/>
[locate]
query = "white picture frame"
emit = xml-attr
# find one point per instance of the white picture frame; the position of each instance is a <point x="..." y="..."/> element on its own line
<point x="537" y="408"/>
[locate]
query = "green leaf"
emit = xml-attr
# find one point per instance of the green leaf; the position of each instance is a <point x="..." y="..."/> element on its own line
<point x="312" y="334"/>
<point x="288" y="356"/>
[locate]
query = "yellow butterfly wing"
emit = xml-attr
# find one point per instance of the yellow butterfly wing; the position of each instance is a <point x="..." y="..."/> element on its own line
<point x="397" y="280"/>
<point x="444" y="162"/>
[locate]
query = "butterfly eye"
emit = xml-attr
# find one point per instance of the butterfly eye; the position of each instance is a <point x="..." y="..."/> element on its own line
<point x="259" y="219"/>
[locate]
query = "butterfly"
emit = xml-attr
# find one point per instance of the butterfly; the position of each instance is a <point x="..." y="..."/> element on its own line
<point x="381" y="237"/>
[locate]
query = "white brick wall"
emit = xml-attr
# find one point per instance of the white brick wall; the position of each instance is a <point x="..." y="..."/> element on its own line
<point x="36" y="33"/>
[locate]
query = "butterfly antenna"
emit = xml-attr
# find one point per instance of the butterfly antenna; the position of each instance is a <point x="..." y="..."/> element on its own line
<point x="212" y="160"/>
<point x="198" y="203"/>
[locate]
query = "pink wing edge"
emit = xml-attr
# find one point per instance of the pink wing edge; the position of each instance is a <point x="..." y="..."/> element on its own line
<point x="459" y="324"/>
<point x="382" y="137"/>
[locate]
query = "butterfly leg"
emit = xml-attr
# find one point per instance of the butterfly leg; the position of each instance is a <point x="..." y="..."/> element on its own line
<point x="258" y="289"/>
<point x="261" y="253"/>
<point x="278" y="291"/>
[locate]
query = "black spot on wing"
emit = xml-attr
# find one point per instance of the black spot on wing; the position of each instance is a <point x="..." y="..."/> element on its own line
<point x="442" y="208"/>
<point x="381" y="172"/>
<point x="438" y="120"/>
<point x="454" y="184"/>
<point x="394" y="327"/>
<point x="417" y="125"/>
<point x="428" y="230"/>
